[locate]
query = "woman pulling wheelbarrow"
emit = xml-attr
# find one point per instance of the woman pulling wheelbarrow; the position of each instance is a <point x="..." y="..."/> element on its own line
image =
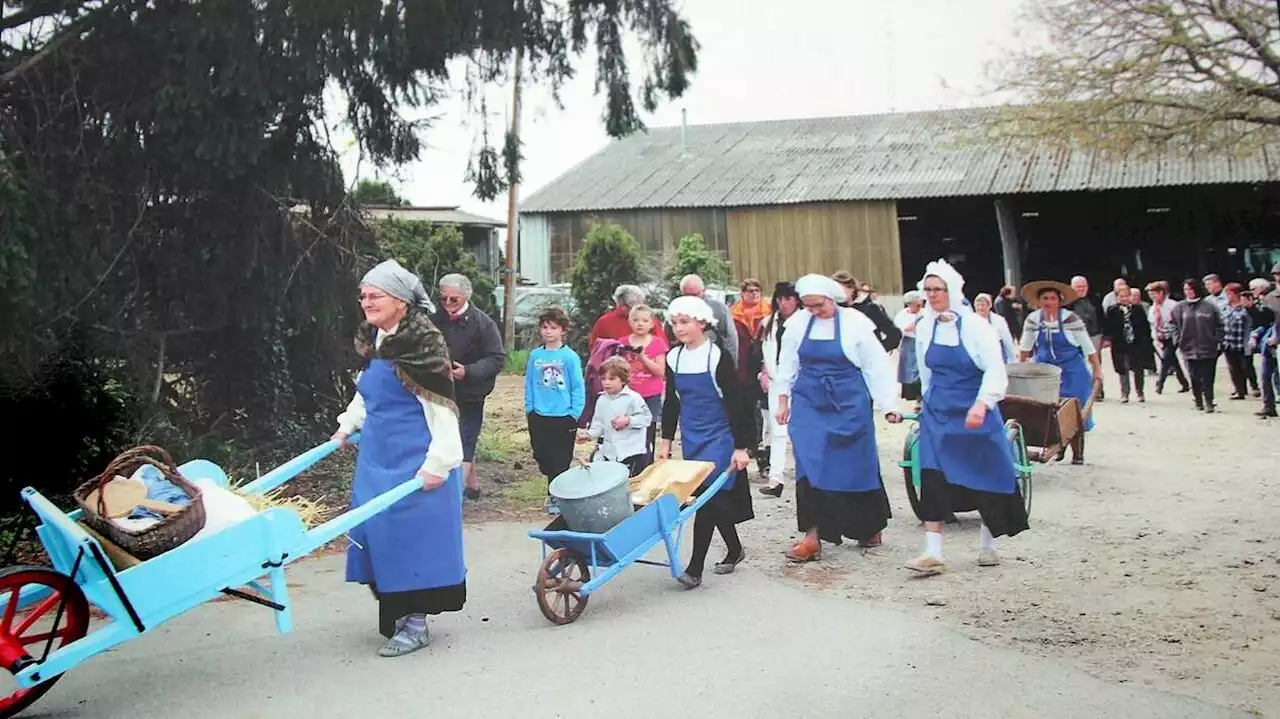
<point x="411" y="557"/>
<point x="831" y="367"/>
<point x="965" y="458"/>
<point x="1059" y="337"/>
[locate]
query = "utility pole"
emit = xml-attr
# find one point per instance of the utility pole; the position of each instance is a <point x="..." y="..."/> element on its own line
<point x="509" y="273"/>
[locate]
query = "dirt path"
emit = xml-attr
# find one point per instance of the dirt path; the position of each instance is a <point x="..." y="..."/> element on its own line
<point x="1156" y="563"/>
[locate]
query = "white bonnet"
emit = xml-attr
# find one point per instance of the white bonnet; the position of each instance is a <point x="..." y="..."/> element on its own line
<point x="820" y="285"/>
<point x="695" y="308"/>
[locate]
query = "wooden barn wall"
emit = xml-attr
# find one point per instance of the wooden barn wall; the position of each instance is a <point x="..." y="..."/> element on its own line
<point x="657" y="231"/>
<point x="783" y="242"/>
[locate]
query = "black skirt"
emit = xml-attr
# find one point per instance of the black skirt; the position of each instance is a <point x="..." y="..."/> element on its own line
<point x="731" y="505"/>
<point x="911" y="391"/>
<point x="1004" y="514"/>
<point x="393" y="606"/>
<point x="856" y="515"/>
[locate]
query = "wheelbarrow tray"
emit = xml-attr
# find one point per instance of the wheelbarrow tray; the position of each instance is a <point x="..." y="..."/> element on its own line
<point x="144" y="595"/>
<point x="1048" y="426"/>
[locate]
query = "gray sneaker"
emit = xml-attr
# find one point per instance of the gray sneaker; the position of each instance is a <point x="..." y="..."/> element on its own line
<point x="405" y="642"/>
<point x="988" y="558"/>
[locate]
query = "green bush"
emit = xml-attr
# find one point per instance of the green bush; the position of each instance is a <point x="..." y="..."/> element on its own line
<point x="433" y="251"/>
<point x="517" y="360"/>
<point x="693" y="258"/>
<point x="609" y="257"/>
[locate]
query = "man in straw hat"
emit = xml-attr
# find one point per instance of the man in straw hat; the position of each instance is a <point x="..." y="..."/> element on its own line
<point x="1059" y="337"/>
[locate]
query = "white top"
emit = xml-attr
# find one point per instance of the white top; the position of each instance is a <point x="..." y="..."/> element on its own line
<point x="769" y="346"/>
<point x="860" y="344"/>
<point x="1077" y="338"/>
<point x="980" y="342"/>
<point x="695" y="360"/>
<point x="1166" y="317"/>
<point x="620" y="444"/>
<point x="1001" y="326"/>
<point x="445" y="451"/>
<point x="905" y="321"/>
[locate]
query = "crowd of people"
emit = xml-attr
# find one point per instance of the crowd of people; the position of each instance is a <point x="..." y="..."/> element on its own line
<point x="801" y="373"/>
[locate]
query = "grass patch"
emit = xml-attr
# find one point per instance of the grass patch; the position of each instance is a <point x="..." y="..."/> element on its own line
<point x="529" y="493"/>
<point x="496" y="446"/>
<point x="516" y="362"/>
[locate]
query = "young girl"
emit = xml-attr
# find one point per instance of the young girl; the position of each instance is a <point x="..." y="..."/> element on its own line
<point x="647" y="353"/>
<point x="621" y="419"/>
<point x="707" y="401"/>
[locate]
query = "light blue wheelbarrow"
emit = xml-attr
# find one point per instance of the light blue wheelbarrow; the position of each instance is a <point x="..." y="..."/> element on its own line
<point x="44" y="628"/>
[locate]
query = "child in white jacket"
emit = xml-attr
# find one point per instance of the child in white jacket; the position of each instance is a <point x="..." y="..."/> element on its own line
<point x="785" y="302"/>
<point x="621" y="419"/>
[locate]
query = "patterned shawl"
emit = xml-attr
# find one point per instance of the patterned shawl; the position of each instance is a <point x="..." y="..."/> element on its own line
<point x="419" y="354"/>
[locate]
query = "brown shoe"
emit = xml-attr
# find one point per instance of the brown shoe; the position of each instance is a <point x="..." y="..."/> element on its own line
<point x="875" y="541"/>
<point x="806" y="550"/>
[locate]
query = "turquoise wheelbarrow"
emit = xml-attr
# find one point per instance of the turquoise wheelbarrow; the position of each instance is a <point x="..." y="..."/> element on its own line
<point x="45" y="625"/>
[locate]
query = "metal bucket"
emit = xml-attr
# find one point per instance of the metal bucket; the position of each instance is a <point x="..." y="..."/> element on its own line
<point x="1036" y="380"/>
<point x="595" y="497"/>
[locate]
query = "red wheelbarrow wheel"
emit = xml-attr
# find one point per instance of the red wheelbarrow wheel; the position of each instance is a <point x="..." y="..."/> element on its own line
<point x="559" y="578"/>
<point x="24" y="635"/>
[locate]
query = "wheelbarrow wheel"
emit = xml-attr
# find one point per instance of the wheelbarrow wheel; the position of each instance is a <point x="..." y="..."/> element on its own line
<point x="1013" y="432"/>
<point x="560" y="579"/>
<point x="60" y="618"/>
<point x="913" y="492"/>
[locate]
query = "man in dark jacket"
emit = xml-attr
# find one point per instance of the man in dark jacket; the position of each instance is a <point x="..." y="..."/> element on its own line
<point x="475" y="348"/>
<point x="1128" y="333"/>
<point x="1086" y="308"/>
<point x="888" y="334"/>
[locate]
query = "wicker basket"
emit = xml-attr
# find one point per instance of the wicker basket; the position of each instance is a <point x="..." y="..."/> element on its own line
<point x="160" y="537"/>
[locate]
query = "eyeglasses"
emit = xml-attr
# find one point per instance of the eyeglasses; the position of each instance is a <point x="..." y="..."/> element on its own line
<point x="372" y="298"/>
<point x="934" y="290"/>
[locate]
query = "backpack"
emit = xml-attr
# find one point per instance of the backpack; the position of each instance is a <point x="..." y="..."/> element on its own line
<point x="602" y="350"/>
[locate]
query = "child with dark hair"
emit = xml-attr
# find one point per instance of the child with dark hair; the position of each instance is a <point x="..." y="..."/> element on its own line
<point x="621" y="419"/>
<point x="554" y="397"/>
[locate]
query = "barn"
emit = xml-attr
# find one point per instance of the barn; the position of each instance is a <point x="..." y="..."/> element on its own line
<point x="881" y="195"/>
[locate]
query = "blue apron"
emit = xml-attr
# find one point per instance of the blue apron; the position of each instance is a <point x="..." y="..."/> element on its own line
<point x="908" y="370"/>
<point x="704" y="424"/>
<point x="832" y="428"/>
<point x="980" y="459"/>
<point x="1053" y="348"/>
<point x="417" y="542"/>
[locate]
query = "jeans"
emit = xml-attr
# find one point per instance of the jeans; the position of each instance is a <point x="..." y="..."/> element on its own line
<point x="1270" y="379"/>
<point x="1169" y="365"/>
<point x="1240" y="365"/>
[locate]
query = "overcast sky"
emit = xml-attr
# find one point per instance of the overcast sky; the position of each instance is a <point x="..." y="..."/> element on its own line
<point x="760" y="60"/>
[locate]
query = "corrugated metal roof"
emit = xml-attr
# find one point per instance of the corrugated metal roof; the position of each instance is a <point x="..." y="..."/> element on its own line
<point x="437" y="215"/>
<point x="941" y="153"/>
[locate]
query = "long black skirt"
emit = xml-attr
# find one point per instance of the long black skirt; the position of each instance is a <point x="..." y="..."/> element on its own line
<point x="437" y="600"/>
<point x="730" y="505"/>
<point x="856" y="515"/>
<point x="1004" y="514"/>
<point x="911" y="391"/>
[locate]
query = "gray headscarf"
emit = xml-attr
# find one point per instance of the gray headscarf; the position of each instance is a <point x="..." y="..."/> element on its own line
<point x="395" y="280"/>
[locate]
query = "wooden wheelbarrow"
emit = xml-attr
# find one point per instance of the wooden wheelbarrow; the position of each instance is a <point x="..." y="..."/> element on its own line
<point x="1049" y="428"/>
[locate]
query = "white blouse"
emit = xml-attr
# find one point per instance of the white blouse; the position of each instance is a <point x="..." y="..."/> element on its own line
<point x="445" y="450"/>
<point x="1001" y="326"/>
<point x="695" y="360"/>
<point x="981" y="344"/>
<point x="905" y="319"/>
<point x="860" y="344"/>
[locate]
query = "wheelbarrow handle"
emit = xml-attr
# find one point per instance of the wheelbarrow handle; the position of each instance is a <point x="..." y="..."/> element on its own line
<point x="295" y="466"/>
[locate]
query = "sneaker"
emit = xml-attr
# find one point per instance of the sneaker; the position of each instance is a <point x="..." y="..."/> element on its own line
<point x="773" y="490"/>
<point x="553" y="509"/>
<point x="1124" y="399"/>
<point x="926" y="565"/>
<point x="1266" y="412"/>
<point x="1141" y="398"/>
<point x="988" y="558"/>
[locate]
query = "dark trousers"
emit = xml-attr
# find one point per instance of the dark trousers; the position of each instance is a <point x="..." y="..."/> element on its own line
<point x="552" y="441"/>
<point x="1169" y="365"/>
<point x="1269" y="378"/>
<point x="705" y="525"/>
<point x="1126" y="366"/>
<point x="1240" y="366"/>
<point x="1203" y="373"/>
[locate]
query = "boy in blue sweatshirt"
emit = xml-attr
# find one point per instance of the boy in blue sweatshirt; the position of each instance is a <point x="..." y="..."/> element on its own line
<point x="554" y="397"/>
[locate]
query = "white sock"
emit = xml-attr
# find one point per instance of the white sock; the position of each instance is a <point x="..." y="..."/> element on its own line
<point x="933" y="544"/>
<point x="987" y="541"/>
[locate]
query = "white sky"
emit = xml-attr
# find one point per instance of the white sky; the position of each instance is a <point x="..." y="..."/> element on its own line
<point x="760" y="60"/>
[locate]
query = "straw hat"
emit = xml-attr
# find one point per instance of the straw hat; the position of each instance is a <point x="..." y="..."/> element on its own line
<point x="1031" y="292"/>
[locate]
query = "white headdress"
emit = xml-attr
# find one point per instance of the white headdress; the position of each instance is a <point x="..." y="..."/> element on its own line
<point x="952" y="279"/>
<point x="820" y="285"/>
<point x="695" y="308"/>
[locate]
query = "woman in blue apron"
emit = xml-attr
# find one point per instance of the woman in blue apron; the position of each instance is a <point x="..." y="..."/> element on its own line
<point x="410" y="556"/>
<point x="983" y="305"/>
<point x="965" y="459"/>
<point x="716" y="418"/>
<point x="908" y="373"/>
<point x="831" y="367"/>
<point x="1059" y="337"/>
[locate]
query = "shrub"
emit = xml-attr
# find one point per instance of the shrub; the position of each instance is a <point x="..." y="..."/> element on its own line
<point x="609" y="257"/>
